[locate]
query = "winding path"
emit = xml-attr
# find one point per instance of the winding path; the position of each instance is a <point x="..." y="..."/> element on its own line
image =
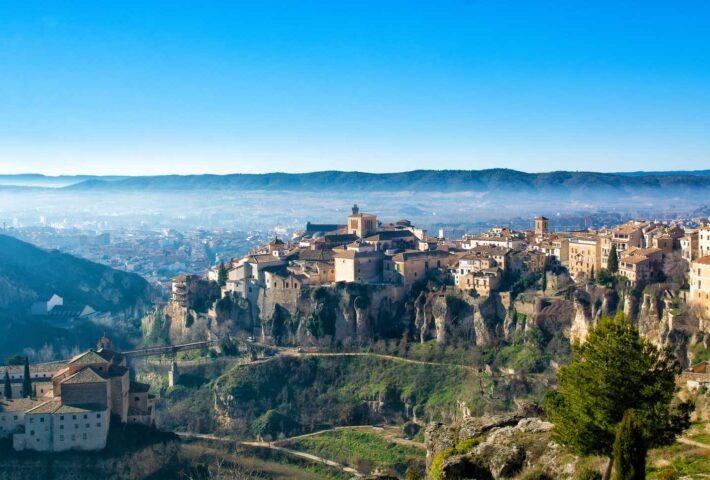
<point x="273" y="446"/>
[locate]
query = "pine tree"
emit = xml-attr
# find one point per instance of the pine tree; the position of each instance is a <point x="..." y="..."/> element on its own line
<point x="8" y="386"/>
<point x="613" y="263"/>
<point x="630" y="449"/>
<point x="26" y="380"/>
<point x="615" y="370"/>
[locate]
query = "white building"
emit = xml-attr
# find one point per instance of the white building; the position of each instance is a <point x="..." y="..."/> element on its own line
<point x="12" y="415"/>
<point x="55" y="427"/>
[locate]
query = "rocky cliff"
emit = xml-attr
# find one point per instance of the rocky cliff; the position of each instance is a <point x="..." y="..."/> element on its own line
<point x="89" y="466"/>
<point x="493" y="447"/>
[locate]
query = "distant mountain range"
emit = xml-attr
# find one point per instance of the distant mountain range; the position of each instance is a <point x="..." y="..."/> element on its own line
<point x="422" y="180"/>
<point x="417" y="180"/>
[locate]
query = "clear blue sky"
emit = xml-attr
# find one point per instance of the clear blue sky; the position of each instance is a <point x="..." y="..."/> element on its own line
<point x="141" y="87"/>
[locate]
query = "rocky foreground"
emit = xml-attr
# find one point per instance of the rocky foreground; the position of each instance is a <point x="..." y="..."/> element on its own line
<point x="493" y="447"/>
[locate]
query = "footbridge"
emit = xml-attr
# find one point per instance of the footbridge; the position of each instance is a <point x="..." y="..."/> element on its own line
<point x="169" y="349"/>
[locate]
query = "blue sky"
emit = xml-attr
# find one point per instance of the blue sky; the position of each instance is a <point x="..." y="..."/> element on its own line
<point x="141" y="87"/>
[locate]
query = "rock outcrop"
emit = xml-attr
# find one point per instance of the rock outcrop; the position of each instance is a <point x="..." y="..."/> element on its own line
<point x="493" y="447"/>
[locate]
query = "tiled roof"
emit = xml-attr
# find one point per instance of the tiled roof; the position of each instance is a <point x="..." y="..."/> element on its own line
<point x="110" y="355"/>
<point x="704" y="260"/>
<point x="86" y="375"/>
<point x="50" y="406"/>
<point x="264" y="259"/>
<point x="341" y="238"/>
<point x="389" y="235"/>
<point x="87" y="358"/>
<point x="81" y="408"/>
<point x="412" y="254"/>
<point x="18" y="404"/>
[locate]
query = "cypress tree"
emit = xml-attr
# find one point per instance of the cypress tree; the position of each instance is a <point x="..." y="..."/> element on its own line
<point x="630" y="449"/>
<point x="222" y="275"/>
<point x="613" y="262"/>
<point x="27" y="380"/>
<point x="544" y="280"/>
<point x="8" y="386"/>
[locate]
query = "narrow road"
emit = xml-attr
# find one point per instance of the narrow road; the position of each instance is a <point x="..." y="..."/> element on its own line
<point x="273" y="446"/>
<point x="693" y="443"/>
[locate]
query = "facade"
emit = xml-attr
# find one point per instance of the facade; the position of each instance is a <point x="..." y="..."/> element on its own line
<point x="361" y="224"/>
<point x="359" y="262"/>
<point x="414" y="265"/>
<point x="12" y="414"/>
<point x="700" y="285"/>
<point x="704" y="240"/>
<point x="689" y="246"/>
<point x="55" y="427"/>
<point x="641" y="265"/>
<point x="584" y="256"/>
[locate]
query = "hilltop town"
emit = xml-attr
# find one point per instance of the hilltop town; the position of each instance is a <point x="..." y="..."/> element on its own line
<point x="394" y="275"/>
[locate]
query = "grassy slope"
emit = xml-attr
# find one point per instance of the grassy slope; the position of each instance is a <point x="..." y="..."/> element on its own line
<point x="351" y="447"/>
<point x="329" y="391"/>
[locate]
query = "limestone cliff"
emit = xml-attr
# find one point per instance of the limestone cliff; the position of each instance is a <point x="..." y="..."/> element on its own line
<point x="493" y="447"/>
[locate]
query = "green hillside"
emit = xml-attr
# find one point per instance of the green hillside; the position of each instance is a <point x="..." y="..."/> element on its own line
<point x="29" y="273"/>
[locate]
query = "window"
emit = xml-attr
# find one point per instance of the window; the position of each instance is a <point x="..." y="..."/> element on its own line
<point x="73" y="417"/>
<point x="98" y="425"/>
<point x="32" y="432"/>
<point x="88" y="426"/>
<point x="85" y="416"/>
<point x="98" y="415"/>
<point x="61" y="417"/>
<point x="61" y="427"/>
<point x="61" y="438"/>
<point x="41" y="419"/>
<point x="32" y="420"/>
<point x="137" y="399"/>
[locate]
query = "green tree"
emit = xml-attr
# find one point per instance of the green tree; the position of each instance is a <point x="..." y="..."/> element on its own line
<point x="26" y="380"/>
<point x="8" y="387"/>
<point x="630" y="449"/>
<point x="222" y="275"/>
<point x="14" y="360"/>
<point x="615" y="370"/>
<point x="544" y="280"/>
<point x="613" y="262"/>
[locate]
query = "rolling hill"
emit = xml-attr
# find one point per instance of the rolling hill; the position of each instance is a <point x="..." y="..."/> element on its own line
<point x="418" y="180"/>
<point x="29" y="273"/>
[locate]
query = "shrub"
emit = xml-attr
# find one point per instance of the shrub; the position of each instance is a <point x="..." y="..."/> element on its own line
<point x="438" y="462"/>
<point x="588" y="474"/>
<point x="536" y="475"/>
